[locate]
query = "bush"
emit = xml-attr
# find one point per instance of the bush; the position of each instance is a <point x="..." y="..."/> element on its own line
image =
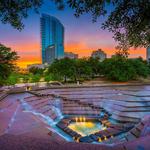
<point x="2" y="81"/>
<point x="31" y="78"/>
<point x="51" y="77"/>
<point x="36" y="78"/>
<point x="12" y="79"/>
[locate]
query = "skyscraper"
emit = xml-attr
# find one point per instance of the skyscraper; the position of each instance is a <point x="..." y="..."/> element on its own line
<point x="148" y="54"/>
<point x="52" y="38"/>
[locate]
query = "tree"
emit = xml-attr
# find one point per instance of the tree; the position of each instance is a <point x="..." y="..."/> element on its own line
<point x="120" y="68"/>
<point x="64" y="68"/>
<point x="141" y="67"/>
<point x="128" y="20"/>
<point x="95" y="65"/>
<point x="117" y="69"/>
<point x="36" y="70"/>
<point x="82" y="69"/>
<point x="12" y="11"/>
<point x="12" y="79"/>
<point x="130" y="23"/>
<point x="48" y="77"/>
<point x="35" y="78"/>
<point x="7" y="59"/>
<point x="70" y="69"/>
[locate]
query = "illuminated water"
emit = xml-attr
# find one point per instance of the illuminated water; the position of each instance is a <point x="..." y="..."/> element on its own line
<point x="85" y="128"/>
<point x="81" y="126"/>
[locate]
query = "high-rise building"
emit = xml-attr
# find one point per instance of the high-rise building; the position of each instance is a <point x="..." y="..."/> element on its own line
<point x="52" y="38"/>
<point x="71" y="55"/>
<point x="148" y="54"/>
<point x="101" y="55"/>
<point x="50" y="54"/>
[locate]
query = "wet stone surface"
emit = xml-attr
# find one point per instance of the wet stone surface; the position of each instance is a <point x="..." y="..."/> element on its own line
<point x="30" y="115"/>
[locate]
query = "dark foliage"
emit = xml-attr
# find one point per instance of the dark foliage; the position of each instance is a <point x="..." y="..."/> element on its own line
<point x="7" y="59"/>
<point x="119" y="68"/>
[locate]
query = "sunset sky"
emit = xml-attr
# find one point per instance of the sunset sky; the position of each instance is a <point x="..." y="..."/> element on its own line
<point x="81" y="36"/>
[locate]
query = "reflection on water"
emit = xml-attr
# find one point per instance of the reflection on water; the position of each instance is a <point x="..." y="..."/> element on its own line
<point x="85" y="128"/>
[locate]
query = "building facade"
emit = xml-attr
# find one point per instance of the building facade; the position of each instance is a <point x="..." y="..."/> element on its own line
<point x="71" y="55"/>
<point x="148" y="54"/>
<point x="52" y="38"/>
<point x="39" y="66"/>
<point x="50" y="54"/>
<point x="101" y="55"/>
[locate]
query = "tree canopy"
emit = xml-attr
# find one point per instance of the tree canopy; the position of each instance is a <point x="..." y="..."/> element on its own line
<point x="63" y="68"/>
<point x="128" y="20"/>
<point x="13" y="12"/>
<point x="130" y="23"/>
<point x="35" y="70"/>
<point x="119" y="68"/>
<point x="7" y="59"/>
<point x="73" y="69"/>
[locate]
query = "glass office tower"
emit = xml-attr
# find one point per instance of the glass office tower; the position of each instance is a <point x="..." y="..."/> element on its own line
<point x="148" y="54"/>
<point x="52" y="38"/>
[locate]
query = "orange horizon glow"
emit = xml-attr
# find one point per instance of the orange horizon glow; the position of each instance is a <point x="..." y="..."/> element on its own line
<point x="30" y="52"/>
<point x="28" y="57"/>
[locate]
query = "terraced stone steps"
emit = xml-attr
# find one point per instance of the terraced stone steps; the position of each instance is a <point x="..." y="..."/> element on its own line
<point x="126" y="103"/>
<point x="78" y="106"/>
<point x="42" y="105"/>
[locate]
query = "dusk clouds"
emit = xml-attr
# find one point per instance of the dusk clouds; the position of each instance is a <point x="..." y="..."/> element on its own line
<point x="81" y="36"/>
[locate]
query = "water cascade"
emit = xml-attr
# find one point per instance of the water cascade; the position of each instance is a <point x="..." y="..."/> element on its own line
<point x="57" y="108"/>
<point x="27" y="108"/>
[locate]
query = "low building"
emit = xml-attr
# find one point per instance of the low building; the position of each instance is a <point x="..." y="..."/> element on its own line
<point x="99" y="54"/>
<point x="148" y="54"/>
<point x="71" y="55"/>
<point x="40" y="66"/>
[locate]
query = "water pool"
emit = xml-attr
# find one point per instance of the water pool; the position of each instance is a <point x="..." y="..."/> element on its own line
<point x="85" y="128"/>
